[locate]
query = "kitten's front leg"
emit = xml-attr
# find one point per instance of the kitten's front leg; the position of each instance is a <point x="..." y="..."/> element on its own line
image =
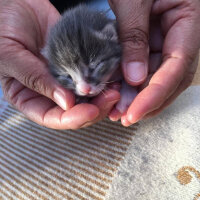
<point x="128" y="93"/>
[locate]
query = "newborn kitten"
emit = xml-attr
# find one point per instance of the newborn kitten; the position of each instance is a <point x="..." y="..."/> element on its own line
<point x="83" y="51"/>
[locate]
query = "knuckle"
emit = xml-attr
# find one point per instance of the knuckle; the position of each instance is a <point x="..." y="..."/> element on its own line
<point x="9" y="94"/>
<point x="35" y="81"/>
<point x="135" y="38"/>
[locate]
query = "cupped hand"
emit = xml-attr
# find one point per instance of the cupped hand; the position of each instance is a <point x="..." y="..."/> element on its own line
<point x="25" y="79"/>
<point x="161" y="41"/>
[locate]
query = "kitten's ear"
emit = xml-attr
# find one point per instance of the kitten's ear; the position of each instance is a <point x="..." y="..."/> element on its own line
<point x="108" y="32"/>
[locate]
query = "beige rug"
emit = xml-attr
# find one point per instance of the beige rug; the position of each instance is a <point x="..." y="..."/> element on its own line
<point x="39" y="163"/>
<point x="163" y="160"/>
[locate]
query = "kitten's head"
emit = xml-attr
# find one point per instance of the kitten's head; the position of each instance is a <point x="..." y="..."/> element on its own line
<point x="83" y="51"/>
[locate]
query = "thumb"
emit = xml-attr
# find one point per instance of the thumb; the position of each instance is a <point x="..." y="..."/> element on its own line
<point x="133" y="21"/>
<point x="33" y="73"/>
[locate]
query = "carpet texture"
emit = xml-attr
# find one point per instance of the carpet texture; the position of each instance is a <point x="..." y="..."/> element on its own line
<point x="39" y="163"/>
<point x="163" y="160"/>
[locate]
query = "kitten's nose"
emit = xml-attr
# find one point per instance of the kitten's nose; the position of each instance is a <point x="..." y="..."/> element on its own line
<point x="85" y="88"/>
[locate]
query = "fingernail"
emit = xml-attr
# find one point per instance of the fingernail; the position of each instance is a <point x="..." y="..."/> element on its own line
<point x="59" y="98"/>
<point x="136" y="71"/>
<point x="125" y="122"/>
<point x="133" y="120"/>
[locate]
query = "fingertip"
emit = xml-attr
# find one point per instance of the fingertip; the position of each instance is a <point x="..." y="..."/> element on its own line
<point x="64" y="98"/>
<point x="125" y="122"/>
<point x="114" y="115"/>
<point x="79" y="115"/>
<point x="131" y="118"/>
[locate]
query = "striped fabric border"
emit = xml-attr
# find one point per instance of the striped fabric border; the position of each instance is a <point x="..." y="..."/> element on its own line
<point x="3" y="104"/>
<point x="41" y="163"/>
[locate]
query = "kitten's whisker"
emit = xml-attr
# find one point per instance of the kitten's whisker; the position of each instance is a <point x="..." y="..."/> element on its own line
<point x="103" y="93"/>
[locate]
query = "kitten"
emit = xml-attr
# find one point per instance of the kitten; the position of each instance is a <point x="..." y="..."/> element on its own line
<point x="83" y="51"/>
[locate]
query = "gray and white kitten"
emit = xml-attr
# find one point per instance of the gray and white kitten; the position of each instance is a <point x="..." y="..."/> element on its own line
<point x="83" y="52"/>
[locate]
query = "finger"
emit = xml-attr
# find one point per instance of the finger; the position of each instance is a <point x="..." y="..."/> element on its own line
<point x="133" y="20"/>
<point x="34" y="74"/>
<point x="105" y="103"/>
<point x="183" y="85"/>
<point x="114" y="115"/>
<point x="155" y="60"/>
<point x="71" y="119"/>
<point x="44" y="111"/>
<point x="146" y="83"/>
<point x="179" y="25"/>
<point x="125" y="121"/>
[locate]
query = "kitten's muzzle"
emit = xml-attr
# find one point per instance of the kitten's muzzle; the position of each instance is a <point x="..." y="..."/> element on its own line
<point x="84" y="89"/>
<point x="87" y="89"/>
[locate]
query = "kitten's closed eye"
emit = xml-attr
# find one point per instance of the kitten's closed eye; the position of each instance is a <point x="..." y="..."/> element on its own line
<point x="93" y="80"/>
<point x="66" y="81"/>
<point x="102" y="70"/>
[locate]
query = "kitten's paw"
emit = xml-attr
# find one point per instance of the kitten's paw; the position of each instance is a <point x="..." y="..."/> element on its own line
<point x="128" y="93"/>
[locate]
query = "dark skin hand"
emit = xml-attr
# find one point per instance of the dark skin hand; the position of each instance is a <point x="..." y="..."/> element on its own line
<point x="160" y="57"/>
<point x="24" y="74"/>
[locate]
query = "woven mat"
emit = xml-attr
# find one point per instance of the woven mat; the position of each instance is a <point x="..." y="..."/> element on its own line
<point x="39" y="163"/>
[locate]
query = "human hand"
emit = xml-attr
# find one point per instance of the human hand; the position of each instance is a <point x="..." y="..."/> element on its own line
<point x="24" y="75"/>
<point x="173" y="38"/>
